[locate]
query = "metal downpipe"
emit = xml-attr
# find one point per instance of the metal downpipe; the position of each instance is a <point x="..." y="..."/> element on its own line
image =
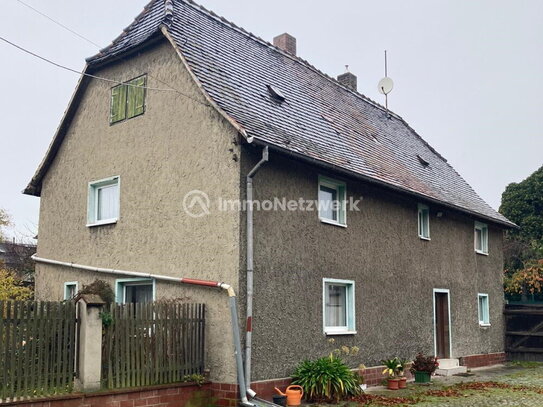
<point x="250" y="268"/>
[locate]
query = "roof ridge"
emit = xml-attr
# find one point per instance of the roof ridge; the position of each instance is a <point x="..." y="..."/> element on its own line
<point x="142" y="13"/>
<point x="295" y="58"/>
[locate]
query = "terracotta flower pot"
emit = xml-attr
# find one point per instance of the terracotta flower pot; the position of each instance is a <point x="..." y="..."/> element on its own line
<point x="402" y="384"/>
<point x="393" y="384"/>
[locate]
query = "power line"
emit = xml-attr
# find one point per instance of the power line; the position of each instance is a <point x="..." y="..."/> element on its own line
<point x="79" y="72"/>
<point x="58" y="23"/>
<point x="118" y="58"/>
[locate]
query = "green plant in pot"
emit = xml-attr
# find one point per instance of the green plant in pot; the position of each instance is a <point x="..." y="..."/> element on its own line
<point x="423" y="367"/>
<point x="402" y="365"/>
<point x="326" y="379"/>
<point x="391" y="370"/>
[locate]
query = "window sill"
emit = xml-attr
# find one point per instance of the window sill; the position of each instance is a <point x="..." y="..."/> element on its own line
<point x="481" y="252"/>
<point x="102" y="222"/>
<point x="332" y="222"/>
<point x="484" y="325"/>
<point x="424" y="238"/>
<point x="331" y="333"/>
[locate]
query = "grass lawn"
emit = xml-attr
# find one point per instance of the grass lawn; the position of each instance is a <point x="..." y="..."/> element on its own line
<point x="517" y="384"/>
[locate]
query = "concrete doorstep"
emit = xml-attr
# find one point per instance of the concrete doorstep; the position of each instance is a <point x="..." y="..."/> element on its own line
<point x="450" y="367"/>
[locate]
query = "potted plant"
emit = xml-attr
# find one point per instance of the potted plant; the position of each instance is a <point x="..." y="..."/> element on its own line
<point x="423" y="367"/>
<point x="402" y="365"/>
<point x="391" y="370"/>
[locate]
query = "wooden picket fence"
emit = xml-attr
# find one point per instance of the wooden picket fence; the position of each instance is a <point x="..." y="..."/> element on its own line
<point x="524" y="332"/>
<point x="37" y="348"/>
<point x="152" y="343"/>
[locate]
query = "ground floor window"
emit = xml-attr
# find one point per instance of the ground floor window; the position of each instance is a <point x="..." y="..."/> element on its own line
<point x="70" y="290"/>
<point x="338" y="306"/>
<point x="134" y="290"/>
<point x="484" y="318"/>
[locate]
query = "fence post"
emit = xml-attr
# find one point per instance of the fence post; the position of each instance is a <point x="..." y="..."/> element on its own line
<point x="90" y="342"/>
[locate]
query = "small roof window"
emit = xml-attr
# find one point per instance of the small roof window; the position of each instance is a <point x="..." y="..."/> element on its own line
<point x="275" y="93"/>
<point x="423" y="161"/>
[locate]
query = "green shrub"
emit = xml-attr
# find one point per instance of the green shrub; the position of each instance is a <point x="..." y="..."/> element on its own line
<point x="194" y="378"/>
<point x="326" y="379"/>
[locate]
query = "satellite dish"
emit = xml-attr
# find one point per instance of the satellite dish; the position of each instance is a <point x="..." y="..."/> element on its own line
<point x="385" y="85"/>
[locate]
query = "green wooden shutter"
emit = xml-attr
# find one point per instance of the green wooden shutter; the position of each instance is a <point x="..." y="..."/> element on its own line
<point x="118" y="104"/>
<point x="136" y="96"/>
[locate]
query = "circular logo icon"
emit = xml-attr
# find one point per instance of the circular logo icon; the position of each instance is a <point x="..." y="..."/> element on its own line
<point x="196" y="203"/>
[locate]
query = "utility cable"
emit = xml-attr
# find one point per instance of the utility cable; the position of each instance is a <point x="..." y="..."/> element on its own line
<point x="79" y="72"/>
<point x="97" y="46"/>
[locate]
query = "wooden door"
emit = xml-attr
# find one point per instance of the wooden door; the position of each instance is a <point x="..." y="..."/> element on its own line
<point x="441" y="301"/>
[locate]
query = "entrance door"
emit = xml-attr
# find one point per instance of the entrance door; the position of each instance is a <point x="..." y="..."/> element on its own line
<point x="442" y="324"/>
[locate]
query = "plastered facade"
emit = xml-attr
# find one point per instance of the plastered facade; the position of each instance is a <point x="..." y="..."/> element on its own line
<point x="394" y="271"/>
<point x="177" y="145"/>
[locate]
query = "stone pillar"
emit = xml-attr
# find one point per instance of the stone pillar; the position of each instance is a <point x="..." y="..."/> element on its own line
<point x="90" y="342"/>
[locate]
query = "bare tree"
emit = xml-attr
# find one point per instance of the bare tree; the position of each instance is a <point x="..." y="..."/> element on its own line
<point x="5" y="221"/>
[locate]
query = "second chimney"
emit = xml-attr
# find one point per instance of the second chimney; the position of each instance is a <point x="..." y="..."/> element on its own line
<point x="286" y="42"/>
<point x="348" y="80"/>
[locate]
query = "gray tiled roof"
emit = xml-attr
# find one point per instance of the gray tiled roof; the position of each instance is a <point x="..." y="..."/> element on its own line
<point x="319" y="119"/>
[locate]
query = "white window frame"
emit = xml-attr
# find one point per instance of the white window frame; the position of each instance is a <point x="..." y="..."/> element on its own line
<point x="70" y="284"/>
<point x="483" y="227"/>
<point x="122" y="283"/>
<point x="341" y="192"/>
<point x="92" y="204"/>
<point x="421" y="209"/>
<point x="350" y="308"/>
<point x="482" y="321"/>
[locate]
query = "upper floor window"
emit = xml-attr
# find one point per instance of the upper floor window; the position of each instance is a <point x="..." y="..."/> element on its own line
<point x="128" y="99"/>
<point x="484" y="317"/>
<point x="332" y="201"/>
<point x="424" y="222"/>
<point x="481" y="238"/>
<point x="338" y="306"/>
<point x="103" y="203"/>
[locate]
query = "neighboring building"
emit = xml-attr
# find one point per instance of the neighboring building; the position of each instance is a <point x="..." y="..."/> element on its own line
<point x="17" y="258"/>
<point x="418" y="267"/>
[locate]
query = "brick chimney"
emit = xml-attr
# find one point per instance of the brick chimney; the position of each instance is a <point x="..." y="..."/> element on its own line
<point x="286" y="42"/>
<point x="348" y="80"/>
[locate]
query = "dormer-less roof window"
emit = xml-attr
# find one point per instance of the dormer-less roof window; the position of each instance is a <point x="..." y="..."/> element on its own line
<point x="275" y="93"/>
<point x="423" y="161"/>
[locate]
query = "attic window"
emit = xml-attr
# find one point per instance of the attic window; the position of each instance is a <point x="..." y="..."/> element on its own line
<point x="128" y="100"/>
<point x="423" y="161"/>
<point x="275" y="93"/>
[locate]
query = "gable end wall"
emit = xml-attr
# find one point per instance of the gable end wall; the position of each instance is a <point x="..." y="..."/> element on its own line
<point x="176" y="146"/>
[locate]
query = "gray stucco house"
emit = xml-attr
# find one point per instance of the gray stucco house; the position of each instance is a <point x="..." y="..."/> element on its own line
<point x="414" y="265"/>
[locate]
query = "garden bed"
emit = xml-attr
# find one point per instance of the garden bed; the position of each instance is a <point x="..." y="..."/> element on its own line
<point x="516" y="384"/>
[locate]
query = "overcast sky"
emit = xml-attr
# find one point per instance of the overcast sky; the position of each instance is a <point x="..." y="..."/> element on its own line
<point x="468" y="74"/>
